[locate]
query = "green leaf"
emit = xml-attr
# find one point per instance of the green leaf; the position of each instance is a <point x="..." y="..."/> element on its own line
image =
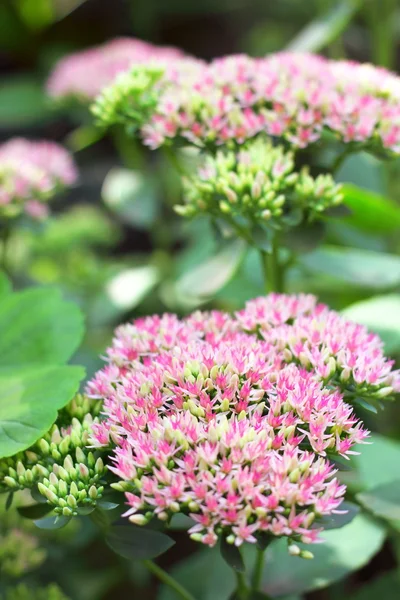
<point x="344" y="551"/>
<point x="358" y="267"/>
<point x="385" y="587"/>
<point x="383" y="501"/>
<point x="29" y="401"/>
<point x="53" y="522"/>
<point x="22" y="102"/>
<point x="38" y="327"/>
<point x="34" y="511"/>
<point x="323" y="31"/>
<point x="378" y="462"/>
<point x="231" y="555"/>
<point x="218" y="581"/>
<point x="204" y="280"/>
<point x="339" y="520"/>
<point x="370" y="211"/>
<point x="380" y="314"/>
<point x="138" y="543"/>
<point x="132" y="196"/>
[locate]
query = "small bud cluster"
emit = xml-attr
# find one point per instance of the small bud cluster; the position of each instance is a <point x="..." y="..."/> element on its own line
<point x="259" y="183"/>
<point x="31" y="174"/>
<point x="84" y="74"/>
<point x="215" y="417"/>
<point x="295" y="97"/>
<point x="59" y="465"/>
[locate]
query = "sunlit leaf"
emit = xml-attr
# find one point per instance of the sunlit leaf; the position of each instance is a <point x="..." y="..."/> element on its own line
<point x="370" y="211"/>
<point x="358" y="267"/>
<point x="131" y="196"/>
<point x="322" y="31"/>
<point x="203" y="281"/>
<point x="378" y="462"/>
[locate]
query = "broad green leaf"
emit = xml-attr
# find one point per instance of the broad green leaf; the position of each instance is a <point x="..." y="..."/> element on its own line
<point x="218" y="581"/>
<point x="358" y="267"/>
<point x="385" y="587"/>
<point x="34" y="511"/>
<point x="29" y="400"/>
<point x="53" y="522"/>
<point x="132" y="196"/>
<point x="204" y="280"/>
<point x="321" y="32"/>
<point x="363" y="171"/>
<point x="22" y="102"/>
<point x="344" y="551"/>
<point x="380" y="314"/>
<point x="383" y="501"/>
<point x="129" y="287"/>
<point x="378" y="462"/>
<point x="370" y="211"/>
<point x="38" y="327"/>
<point x="231" y="555"/>
<point x="137" y="543"/>
<point x="336" y="521"/>
<point x="5" y="285"/>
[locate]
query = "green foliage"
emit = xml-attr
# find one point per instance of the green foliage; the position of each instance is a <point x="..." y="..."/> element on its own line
<point x="22" y="102"/>
<point x="371" y="212"/>
<point x="25" y="592"/>
<point x="19" y="553"/>
<point x="344" y="551"/>
<point x="324" y="30"/>
<point x="383" y="501"/>
<point x="39" y="331"/>
<point x="137" y="543"/>
<point x="380" y="314"/>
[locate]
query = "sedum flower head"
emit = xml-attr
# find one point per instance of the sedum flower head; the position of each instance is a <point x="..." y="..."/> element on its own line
<point x="294" y="97"/>
<point x="259" y="183"/>
<point x="225" y="419"/>
<point x="84" y="74"/>
<point x="31" y="174"/>
<point x="19" y="553"/>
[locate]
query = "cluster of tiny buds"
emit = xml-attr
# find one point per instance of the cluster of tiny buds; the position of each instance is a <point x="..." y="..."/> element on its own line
<point x="59" y="465"/>
<point x="259" y="183"/>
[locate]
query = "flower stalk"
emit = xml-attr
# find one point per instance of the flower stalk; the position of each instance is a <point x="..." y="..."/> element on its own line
<point x="165" y="578"/>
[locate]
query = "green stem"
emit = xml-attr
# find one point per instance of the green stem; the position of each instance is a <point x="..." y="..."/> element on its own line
<point x="258" y="571"/>
<point x="242" y="591"/>
<point x="163" y="576"/>
<point x="381" y="14"/>
<point x="273" y="271"/>
<point x="173" y="159"/>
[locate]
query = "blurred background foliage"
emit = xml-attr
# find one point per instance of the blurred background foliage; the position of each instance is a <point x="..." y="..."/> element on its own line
<point x="116" y="247"/>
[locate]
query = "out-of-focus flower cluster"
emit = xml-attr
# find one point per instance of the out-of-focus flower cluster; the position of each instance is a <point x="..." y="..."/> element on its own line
<point x="19" y="553"/>
<point x="294" y="97"/>
<point x="84" y="74"/>
<point x="233" y="420"/>
<point x="59" y="466"/>
<point x="31" y="174"/>
<point x="257" y="182"/>
<point x="27" y="592"/>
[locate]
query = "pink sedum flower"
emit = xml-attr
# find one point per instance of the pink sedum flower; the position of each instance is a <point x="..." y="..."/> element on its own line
<point x="84" y="74"/>
<point x="232" y="420"/>
<point x="31" y="173"/>
<point x="295" y="97"/>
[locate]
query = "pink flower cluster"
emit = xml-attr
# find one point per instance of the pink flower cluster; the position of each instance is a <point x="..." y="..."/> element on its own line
<point x="31" y="173"/>
<point x="84" y="74"/>
<point x="216" y="417"/>
<point x="291" y="96"/>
